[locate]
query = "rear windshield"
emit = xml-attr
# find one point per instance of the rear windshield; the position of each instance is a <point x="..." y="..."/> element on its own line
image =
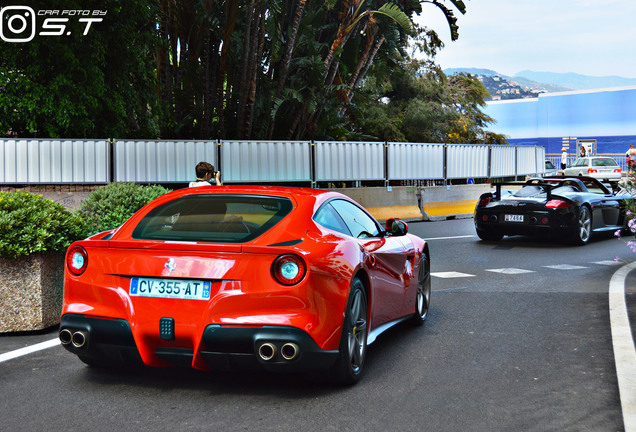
<point x="604" y="162"/>
<point x="533" y="191"/>
<point x="218" y="218"/>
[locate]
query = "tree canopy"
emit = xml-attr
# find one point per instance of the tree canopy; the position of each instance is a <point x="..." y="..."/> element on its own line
<point x="231" y="69"/>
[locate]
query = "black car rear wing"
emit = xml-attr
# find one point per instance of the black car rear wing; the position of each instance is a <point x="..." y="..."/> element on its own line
<point x="548" y="185"/>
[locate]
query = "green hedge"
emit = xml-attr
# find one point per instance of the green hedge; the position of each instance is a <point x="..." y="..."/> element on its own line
<point x="109" y="207"/>
<point x="30" y="223"/>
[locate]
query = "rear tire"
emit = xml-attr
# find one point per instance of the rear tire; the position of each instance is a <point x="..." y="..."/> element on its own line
<point x="423" y="294"/>
<point x="353" y="342"/>
<point x="488" y="235"/>
<point x="583" y="231"/>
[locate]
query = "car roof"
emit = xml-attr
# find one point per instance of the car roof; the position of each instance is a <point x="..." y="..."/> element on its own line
<point x="289" y="191"/>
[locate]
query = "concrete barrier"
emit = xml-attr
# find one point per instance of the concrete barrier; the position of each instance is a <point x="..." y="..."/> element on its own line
<point x="409" y="203"/>
<point x="412" y="203"/>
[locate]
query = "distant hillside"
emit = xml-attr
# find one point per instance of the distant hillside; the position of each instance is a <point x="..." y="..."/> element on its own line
<point x="576" y="81"/>
<point x="528" y="83"/>
<point x="550" y="81"/>
<point x="472" y="71"/>
<point x="502" y="87"/>
<point x="527" y="87"/>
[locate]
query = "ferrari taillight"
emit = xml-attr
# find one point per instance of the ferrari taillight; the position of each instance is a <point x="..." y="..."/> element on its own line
<point x="289" y="269"/>
<point x="558" y="204"/>
<point x="77" y="260"/>
<point x="484" y="201"/>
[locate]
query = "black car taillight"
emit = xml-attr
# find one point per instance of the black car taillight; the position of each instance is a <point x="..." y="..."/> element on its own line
<point x="77" y="260"/>
<point x="558" y="204"/>
<point x="289" y="269"/>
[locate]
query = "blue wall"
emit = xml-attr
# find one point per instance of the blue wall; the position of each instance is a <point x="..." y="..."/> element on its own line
<point x="606" y="115"/>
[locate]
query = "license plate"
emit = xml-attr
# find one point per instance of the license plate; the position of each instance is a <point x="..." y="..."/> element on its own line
<point x="170" y="288"/>
<point x="513" y="218"/>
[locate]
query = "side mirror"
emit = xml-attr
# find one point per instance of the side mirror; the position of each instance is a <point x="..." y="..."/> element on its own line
<point x="396" y="227"/>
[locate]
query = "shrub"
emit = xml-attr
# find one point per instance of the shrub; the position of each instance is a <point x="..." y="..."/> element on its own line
<point x="30" y="223"/>
<point x="109" y="207"/>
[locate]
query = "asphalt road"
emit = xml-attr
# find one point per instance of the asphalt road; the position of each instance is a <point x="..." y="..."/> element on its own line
<point x="520" y="342"/>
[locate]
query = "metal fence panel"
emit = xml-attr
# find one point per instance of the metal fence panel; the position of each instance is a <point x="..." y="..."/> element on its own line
<point x="527" y="161"/>
<point x="349" y="161"/>
<point x="408" y="161"/>
<point x="266" y="161"/>
<point x="466" y="161"/>
<point x="502" y="161"/>
<point x="540" y="159"/>
<point x="160" y="161"/>
<point x="49" y="161"/>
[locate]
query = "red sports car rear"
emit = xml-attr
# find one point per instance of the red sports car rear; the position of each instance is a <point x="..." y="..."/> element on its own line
<point x="223" y="277"/>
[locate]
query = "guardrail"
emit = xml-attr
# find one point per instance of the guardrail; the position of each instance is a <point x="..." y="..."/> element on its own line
<point x="618" y="157"/>
<point x="102" y="161"/>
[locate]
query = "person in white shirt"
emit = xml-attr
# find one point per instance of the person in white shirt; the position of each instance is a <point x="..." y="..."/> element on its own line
<point x="205" y="172"/>
<point x="564" y="158"/>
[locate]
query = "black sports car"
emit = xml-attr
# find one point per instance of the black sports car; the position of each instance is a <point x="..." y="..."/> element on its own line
<point x="571" y="208"/>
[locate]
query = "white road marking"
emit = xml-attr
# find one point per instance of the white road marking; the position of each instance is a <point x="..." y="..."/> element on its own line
<point x="608" y="263"/>
<point x="450" y="238"/>
<point x="510" y="271"/>
<point x="624" y="351"/>
<point x="446" y="275"/>
<point x="28" y="350"/>
<point x="565" y="267"/>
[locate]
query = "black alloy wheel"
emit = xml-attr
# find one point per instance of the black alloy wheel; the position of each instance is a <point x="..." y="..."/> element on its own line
<point x="353" y="342"/>
<point x="583" y="226"/>
<point x="423" y="294"/>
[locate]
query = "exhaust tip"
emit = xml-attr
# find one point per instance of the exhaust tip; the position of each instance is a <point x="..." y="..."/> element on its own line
<point x="289" y="351"/>
<point x="79" y="339"/>
<point x="66" y="337"/>
<point x="267" y="351"/>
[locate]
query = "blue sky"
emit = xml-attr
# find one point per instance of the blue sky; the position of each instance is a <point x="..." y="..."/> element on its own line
<point x="590" y="37"/>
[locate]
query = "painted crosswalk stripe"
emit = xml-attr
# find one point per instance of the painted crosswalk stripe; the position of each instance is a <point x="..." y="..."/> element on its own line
<point x="447" y="275"/>
<point x="511" y="271"/>
<point x="565" y="267"/>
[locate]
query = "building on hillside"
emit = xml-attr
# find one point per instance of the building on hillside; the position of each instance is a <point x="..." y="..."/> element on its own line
<point x="604" y="116"/>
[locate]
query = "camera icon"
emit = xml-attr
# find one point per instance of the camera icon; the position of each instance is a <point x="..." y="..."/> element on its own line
<point x="17" y="24"/>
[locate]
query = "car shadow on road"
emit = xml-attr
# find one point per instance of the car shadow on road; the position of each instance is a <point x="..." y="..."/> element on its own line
<point x="379" y="362"/>
<point x="546" y="242"/>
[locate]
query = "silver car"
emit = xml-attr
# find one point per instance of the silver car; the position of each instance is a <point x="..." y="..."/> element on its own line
<point x="602" y="168"/>
<point x="550" y="169"/>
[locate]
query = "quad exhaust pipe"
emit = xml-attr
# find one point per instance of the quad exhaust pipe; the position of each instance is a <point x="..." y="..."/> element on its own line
<point x="66" y="337"/>
<point x="78" y="338"/>
<point x="289" y="351"/>
<point x="267" y="351"/>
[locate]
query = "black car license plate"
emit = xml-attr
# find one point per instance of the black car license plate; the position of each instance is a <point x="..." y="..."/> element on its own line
<point x="513" y="218"/>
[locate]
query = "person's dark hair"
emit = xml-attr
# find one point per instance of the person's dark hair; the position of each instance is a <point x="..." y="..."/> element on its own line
<point x="203" y="168"/>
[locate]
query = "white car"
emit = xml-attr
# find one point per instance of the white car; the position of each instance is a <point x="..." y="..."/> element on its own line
<point x="602" y="168"/>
